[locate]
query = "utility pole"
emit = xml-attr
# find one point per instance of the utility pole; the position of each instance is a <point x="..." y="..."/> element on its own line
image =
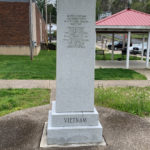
<point x="50" y="24"/>
<point x="42" y="13"/>
<point x="46" y="13"/>
<point x="31" y="30"/>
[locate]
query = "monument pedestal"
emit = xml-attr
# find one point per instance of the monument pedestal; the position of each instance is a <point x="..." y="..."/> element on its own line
<point x="73" y="128"/>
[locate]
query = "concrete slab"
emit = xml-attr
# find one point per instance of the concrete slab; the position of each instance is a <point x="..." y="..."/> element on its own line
<point x="27" y="84"/>
<point x="23" y="130"/>
<point x="122" y="83"/>
<point x="134" y="64"/>
<point x="5" y="84"/>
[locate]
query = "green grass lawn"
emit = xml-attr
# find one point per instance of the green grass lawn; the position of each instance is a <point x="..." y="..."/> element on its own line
<point x="44" y="67"/>
<point x="118" y="74"/>
<point x="116" y="57"/>
<point x="17" y="99"/>
<point x="134" y="100"/>
<point x="21" y="67"/>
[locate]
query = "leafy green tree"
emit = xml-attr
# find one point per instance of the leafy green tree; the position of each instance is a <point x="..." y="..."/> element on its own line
<point x="147" y="6"/>
<point x="98" y="8"/>
<point x="138" y="5"/>
<point x="102" y="6"/>
<point x="50" y="9"/>
<point x="118" y="5"/>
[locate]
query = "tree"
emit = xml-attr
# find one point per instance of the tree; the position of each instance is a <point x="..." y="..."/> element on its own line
<point x="50" y="9"/>
<point x="138" y="5"/>
<point x="118" y="5"/>
<point x="98" y="8"/>
<point x="102" y="6"/>
<point x="147" y="6"/>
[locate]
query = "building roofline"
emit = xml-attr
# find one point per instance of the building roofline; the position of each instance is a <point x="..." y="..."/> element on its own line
<point x="24" y="1"/>
<point x="122" y="27"/>
<point x="109" y="17"/>
<point x="121" y="12"/>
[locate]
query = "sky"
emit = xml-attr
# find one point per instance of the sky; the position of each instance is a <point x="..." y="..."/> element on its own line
<point x="52" y="1"/>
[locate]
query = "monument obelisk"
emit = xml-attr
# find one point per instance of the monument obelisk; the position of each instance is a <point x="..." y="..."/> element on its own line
<point x="73" y="118"/>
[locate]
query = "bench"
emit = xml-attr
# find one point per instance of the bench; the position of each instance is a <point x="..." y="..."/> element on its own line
<point x="100" y="52"/>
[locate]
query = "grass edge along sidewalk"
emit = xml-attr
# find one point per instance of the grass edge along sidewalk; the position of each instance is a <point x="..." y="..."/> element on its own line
<point x="118" y="74"/>
<point x="134" y="100"/>
<point x="12" y="100"/>
<point x="44" y="67"/>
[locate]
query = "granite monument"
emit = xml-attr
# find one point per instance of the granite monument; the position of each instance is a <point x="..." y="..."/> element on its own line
<point x="73" y="118"/>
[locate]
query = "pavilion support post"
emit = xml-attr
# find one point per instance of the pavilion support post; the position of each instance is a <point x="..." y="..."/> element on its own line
<point x="123" y="45"/>
<point x="124" y="41"/>
<point x="112" y="56"/>
<point x="128" y="50"/>
<point x="142" y="53"/>
<point x="102" y="42"/>
<point x="148" y="50"/>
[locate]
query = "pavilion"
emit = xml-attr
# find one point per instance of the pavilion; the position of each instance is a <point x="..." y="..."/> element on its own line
<point x="127" y="21"/>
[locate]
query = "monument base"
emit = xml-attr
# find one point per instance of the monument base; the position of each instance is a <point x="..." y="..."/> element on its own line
<point x="44" y="144"/>
<point x="73" y="128"/>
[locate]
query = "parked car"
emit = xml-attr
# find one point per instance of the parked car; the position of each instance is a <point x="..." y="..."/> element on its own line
<point x="124" y="51"/>
<point x="117" y="45"/>
<point x="137" y="48"/>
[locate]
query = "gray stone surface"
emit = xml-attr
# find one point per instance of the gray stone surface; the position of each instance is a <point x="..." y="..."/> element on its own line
<point x="75" y="55"/>
<point x="73" y="134"/>
<point x="22" y="130"/>
<point x="73" y="119"/>
<point x="44" y="144"/>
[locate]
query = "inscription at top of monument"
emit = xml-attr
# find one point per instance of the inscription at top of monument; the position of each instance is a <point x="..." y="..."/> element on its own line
<point x="76" y="19"/>
<point x="75" y="35"/>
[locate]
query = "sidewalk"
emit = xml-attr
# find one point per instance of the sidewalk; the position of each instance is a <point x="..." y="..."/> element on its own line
<point x="145" y="72"/>
<point x="134" y="64"/>
<point x="122" y="83"/>
<point x="51" y="84"/>
<point x="25" y="84"/>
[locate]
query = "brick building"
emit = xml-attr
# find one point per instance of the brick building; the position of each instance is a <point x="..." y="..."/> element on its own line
<point x="15" y="27"/>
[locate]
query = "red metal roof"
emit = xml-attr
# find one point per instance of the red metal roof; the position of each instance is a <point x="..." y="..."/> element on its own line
<point x="127" y="17"/>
